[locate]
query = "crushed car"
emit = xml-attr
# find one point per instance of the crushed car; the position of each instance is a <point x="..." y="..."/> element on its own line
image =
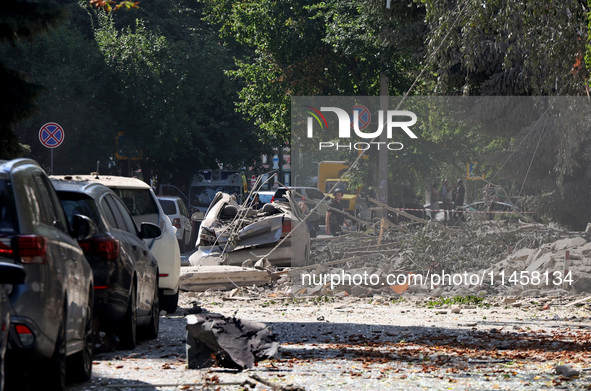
<point x="231" y="234"/>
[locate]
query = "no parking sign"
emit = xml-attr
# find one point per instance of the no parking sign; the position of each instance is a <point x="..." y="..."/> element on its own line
<point x="51" y="136"/>
<point x="363" y="117"/>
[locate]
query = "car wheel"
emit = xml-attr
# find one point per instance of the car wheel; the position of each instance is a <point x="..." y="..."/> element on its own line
<point x="56" y="370"/>
<point x="80" y="364"/>
<point x="169" y="303"/>
<point x="151" y="330"/>
<point x="129" y="327"/>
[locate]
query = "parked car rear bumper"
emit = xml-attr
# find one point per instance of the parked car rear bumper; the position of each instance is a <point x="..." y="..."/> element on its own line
<point x="41" y="348"/>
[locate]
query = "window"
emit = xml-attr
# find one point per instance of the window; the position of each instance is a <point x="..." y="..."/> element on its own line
<point x="129" y="223"/>
<point x="49" y="215"/>
<point x="168" y="207"/>
<point x="138" y="201"/>
<point x="183" y="208"/>
<point x="8" y="213"/>
<point x="203" y="195"/>
<point x="76" y="203"/>
<point x="122" y="218"/>
<point x="315" y="194"/>
<point x="108" y="213"/>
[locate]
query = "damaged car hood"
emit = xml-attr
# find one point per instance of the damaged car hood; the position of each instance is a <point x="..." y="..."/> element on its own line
<point x="259" y="232"/>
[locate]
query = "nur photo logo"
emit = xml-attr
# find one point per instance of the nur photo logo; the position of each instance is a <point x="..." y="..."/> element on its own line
<point x="358" y="119"/>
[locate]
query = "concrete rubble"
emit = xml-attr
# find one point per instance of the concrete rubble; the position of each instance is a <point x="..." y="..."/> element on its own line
<point x="509" y="257"/>
<point x="491" y="250"/>
<point x="222" y="277"/>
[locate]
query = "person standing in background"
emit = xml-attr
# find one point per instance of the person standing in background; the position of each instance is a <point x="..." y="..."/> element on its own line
<point x="434" y="200"/>
<point x="459" y="199"/>
<point x="446" y="197"/>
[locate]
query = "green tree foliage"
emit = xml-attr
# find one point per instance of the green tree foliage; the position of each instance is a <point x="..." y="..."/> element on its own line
<point x="75" y="95"/>
<point x="292" y="55"/>
<point x="523" y="48"/>
<point x="504" y="47"/>
<point x="155" y="74"/>
<point x="175" y="102"/>
<point x="303" y="47"/>
<point x="20" y="20"/>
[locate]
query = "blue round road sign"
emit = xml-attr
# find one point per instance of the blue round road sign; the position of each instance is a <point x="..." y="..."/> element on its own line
<point x="51" y="135"/>
<point x="364" y="116"/>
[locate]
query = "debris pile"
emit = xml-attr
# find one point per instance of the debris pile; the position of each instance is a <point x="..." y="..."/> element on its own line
<point x="505" y="257"/>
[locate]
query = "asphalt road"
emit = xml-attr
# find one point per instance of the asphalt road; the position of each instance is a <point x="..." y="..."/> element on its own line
<point x="371" y="343"/>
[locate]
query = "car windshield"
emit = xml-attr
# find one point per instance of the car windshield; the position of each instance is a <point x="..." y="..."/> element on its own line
<point x="8" y="219"/>
<point x="168" y="207"/>
<point x="78" y="204"/>
<point x="203" y="195"/>
<point x="265" y="198"/>
<point x="280" y="194"/>
<point x="138" y="201"/>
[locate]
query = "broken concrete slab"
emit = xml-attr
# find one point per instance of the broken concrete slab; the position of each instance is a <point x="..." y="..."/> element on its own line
<point x="221" y="277"/>
<point x="229" y="342"/>
<point x="568" y="243"/>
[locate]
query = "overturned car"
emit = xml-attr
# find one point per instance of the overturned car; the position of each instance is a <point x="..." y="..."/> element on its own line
<point x="231" y="234"/>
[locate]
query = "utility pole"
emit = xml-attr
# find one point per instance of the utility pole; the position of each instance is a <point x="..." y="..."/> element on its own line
<point x="383" y="152"/>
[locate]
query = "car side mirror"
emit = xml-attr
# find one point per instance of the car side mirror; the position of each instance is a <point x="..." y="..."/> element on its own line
<point x="198" y="216"/>
<point x="11" y="273"/>
<point x="83" y="228"/>
<point x="150" y="231"/>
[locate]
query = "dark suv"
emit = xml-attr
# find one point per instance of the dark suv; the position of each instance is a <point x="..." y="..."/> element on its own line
<point x="125" y="272"/>
<point x="51" y="318"/>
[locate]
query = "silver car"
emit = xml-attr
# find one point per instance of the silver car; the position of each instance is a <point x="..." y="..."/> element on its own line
<point x="231" y="234"/>
<point x="177" y="211"/>
<point x="51" y="320"/>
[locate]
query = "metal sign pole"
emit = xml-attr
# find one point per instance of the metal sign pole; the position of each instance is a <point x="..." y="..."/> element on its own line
<point x="51" y="161"/>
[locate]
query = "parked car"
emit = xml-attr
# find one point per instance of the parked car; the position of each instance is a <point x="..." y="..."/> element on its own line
<point x="126" y="293"/>
<point x="231" y="234"/>
<point x="265" y="196"/>
<point x="52" y="312"/>
<point x="141" y="201"/>
<point x="10" y="274"/>
<point x="177" y="211"/>
<point x="482" y="210"/>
